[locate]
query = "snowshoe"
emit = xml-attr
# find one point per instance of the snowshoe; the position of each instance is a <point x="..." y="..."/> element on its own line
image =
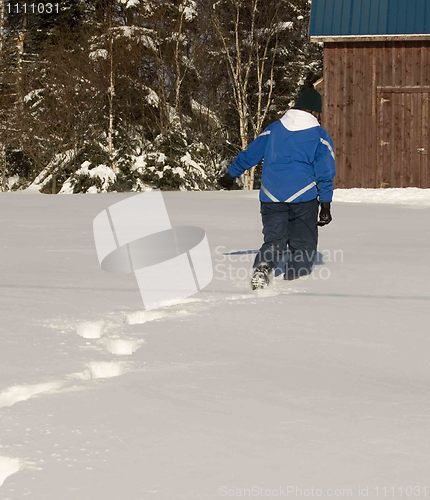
<point x="261" y="278"/>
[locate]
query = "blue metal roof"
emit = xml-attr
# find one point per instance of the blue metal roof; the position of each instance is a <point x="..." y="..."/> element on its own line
<point x="369" y="17"/>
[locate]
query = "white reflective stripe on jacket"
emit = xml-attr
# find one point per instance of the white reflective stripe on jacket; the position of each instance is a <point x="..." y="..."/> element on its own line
<point x="292" y="197"/>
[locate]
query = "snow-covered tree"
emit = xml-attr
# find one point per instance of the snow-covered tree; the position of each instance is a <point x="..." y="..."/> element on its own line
<point x="131" y="94"/>
<point x="264" y="48"/>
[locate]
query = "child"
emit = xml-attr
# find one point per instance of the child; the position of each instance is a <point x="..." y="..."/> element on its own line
<point x="297" y="178"/>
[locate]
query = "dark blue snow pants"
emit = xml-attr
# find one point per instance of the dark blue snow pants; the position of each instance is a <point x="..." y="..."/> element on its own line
<point x="290" y="237"/>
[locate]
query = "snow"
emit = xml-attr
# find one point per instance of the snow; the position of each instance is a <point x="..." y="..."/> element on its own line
<point x="138" y="34"/>
<point x="105" y="369"/>
<point x="98" y="54"/>
<point x="139" y="163"/>
<point x="122" y="346"/>
<point x="161" y="158"/>
<point x="401" y="196"/>
<point x="8" y="466"/>
<point x="189" y="162"/>
<point x="130" y="3"/>
<point x="11" y="181"/>
<point x="151" y="97"/>
<point x="179" y="171"/>
<point x="285" y="26"/>
<point x="45" y="175"/>
<point x="90" y="329"/>
<point x="317" y="383"/>
<point x="34" y="94"/>
<point x="102" y="172"/>
<point x="139" y="185"/>
<point x="189" y="9"/>
<point x="18" y="393"/>
<point x="140" y="317"/>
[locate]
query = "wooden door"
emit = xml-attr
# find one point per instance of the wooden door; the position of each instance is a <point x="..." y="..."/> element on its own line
<point x="403" y="137"/>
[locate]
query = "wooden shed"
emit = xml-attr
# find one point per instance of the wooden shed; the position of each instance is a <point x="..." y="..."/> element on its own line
<point x="376" y="89"/>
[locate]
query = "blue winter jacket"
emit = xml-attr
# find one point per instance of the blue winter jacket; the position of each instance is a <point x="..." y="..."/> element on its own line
<point x="299" y="163"/>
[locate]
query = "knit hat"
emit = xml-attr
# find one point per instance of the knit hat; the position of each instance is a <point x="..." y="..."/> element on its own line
<point x="309" y="99"/>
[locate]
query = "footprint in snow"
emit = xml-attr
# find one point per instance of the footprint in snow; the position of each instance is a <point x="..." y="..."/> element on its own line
<point x="8" y="466"/>
<point x="122" y="346"/>
<point x="100" y="370"/>
<point x="141" y="317"/>
<point x="95" y="330"/>
<point x="106" y="369"/>
<point x="94" y="370"/>
<point x="17" y="393"/>
<point x="90" y="329"/>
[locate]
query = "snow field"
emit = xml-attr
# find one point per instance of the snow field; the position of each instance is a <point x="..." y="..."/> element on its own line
<point x="114" y="344"/>
<point x="314" y="383"/>
<point x="393" y="196"/>
<point x="95" y="331"/>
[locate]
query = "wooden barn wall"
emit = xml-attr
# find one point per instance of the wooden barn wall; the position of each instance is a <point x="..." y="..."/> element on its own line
<point x="353" y="72"/>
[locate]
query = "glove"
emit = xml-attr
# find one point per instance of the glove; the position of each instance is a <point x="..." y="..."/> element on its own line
<point x="227" y="182"/>
<point x="325" y="214"/>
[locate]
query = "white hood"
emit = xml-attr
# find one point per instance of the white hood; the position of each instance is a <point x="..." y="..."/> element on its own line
<point x="296" y="119"/>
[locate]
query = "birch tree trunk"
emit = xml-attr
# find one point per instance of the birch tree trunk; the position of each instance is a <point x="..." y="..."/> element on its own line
<point x="246" y="58"/>
<point x="2" y="10"/>
<point x="111" y="96"/>
<point x="179" y="76"/>
<point x="239" y="76"/>
<point x="20" y="42"/>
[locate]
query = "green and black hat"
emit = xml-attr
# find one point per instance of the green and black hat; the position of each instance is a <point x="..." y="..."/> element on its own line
<point x="308" y="99"/>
